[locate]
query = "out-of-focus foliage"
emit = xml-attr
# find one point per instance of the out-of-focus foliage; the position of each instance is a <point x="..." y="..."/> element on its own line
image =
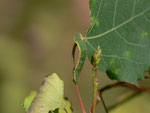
<point x="28" y="100"/>
<point x="35" y="40"/>
<point x="50" y="97"/>
<point x="138" y="104"/>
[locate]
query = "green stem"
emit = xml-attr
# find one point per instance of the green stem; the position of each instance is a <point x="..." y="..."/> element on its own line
<point x="95" y="89"/>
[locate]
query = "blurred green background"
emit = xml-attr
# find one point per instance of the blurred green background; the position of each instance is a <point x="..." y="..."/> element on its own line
<point x="36" y="38"/>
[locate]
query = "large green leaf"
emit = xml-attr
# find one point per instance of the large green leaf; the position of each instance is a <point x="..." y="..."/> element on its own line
<point x="28" y="100"/>
<point x="50" y="97"/>
<point x="122" y="29"/>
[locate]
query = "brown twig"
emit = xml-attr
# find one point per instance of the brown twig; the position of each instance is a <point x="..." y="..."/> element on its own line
<point x="147" y="77"/>
<point x="65" y="110"/>
<point x="101" y="97"/>
<point x="131" y="96"/>
<point x="123" y="84"/>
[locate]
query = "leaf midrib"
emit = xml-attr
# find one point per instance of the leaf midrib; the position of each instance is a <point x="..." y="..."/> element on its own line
<point x="122" y="24"/>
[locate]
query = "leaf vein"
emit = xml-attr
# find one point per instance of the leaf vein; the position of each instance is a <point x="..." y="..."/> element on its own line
<point x="146" y="18"/>
<point x="126" y="41"/>
<point x="122" y="24"/>
<point x="114" y="56"/>
<point x="134" y="4"/>
<point x="97" y="14"/>
<point x="116" y="2"/>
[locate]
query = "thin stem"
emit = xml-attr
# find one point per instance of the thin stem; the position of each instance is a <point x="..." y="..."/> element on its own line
<point x="123" y="84"/>
<point x="147" y="77"/>
<point x="80" y="100"/>
<point x="95" y="89"/>
<point x="106" y="110"/>
<point x="125" y="100"/>
<point x="111" y="86"/>
<point x="65" y="110"/>
<point x="117" y="84"/>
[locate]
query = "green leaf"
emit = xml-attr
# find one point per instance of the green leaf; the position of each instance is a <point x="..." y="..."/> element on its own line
<point x="138" y="104"/>
<point x="82" y="56"/>
<point x="50" y="97"/>
<point x="122" y="29"/>
<point x="28" y="100"/>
